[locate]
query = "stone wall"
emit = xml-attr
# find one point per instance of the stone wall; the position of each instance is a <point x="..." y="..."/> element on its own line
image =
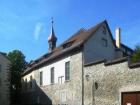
<point x="104" y="84"/>
<point x="69" y="92"/>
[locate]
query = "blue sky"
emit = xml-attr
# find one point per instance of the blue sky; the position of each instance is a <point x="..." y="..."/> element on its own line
<point x="25" y="24"/>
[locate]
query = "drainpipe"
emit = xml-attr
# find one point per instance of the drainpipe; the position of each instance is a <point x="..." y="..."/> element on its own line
<point x="82" y="77"/>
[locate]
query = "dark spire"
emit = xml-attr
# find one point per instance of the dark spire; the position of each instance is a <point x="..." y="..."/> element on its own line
<point x="52" y="38"/>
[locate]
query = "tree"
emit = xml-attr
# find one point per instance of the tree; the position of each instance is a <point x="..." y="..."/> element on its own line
<point x="18" y="65"/>
<point x="136" y="56"/>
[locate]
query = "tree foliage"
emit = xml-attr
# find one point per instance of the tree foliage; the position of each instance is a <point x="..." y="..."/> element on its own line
<point x="136" y="56"/>
<point x="18" y="65"/>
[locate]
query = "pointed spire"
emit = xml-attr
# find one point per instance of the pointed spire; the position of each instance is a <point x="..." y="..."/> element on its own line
<point x="52" y="38"/>
<point x="52" y="34"/>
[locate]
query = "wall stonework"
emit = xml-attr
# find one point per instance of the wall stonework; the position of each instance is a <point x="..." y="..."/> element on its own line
<point x="110" y="81"/>
<point x="69" y="92"/>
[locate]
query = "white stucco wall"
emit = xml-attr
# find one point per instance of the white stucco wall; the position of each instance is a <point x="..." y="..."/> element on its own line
<point x="94" y="49"/>
<point x="59" y="70"/>
<point x="28" y="76"/>
<point x="28" y="81"/>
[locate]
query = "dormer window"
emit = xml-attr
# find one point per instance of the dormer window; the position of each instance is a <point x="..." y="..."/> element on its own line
<point x="68" y="44"/>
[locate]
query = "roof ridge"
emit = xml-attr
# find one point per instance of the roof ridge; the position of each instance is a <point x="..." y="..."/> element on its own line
<point x="93" y="29"/>
<point x="75" y="34"/>
<point x="104" y="21"/>
<point x="79" y="38"/>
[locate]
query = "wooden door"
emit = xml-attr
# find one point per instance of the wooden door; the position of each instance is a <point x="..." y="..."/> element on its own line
<point x="131" y="98"/>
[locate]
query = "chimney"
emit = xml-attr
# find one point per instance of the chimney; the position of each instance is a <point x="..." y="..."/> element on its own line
<point x="118" y="37"/>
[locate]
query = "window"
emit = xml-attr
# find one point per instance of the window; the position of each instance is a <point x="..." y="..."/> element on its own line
<point x="31" y="79"/>
<point x="52" y="75"/>
<point x="104" y="42"/>
<point x="104" y="30"/>
<point x="26" y="83"/>
<point x="41" y="78"/>
<point x="67" y="70"/>
<point x="62" y="96"/>
<point x="68" y="44"/>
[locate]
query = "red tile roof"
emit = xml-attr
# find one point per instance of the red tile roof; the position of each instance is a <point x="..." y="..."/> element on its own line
<point x="73" y="42"/>
<point x="76" y="40"/>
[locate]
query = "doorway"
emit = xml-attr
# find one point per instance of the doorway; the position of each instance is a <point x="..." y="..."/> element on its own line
<point x="131" y="98"/>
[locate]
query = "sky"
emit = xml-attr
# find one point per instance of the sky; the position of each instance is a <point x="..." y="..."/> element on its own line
<point x="25" y="24"/>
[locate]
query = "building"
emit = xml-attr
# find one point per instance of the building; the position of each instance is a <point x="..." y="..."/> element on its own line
<point x="65" y="75"/>
<point x="4" y="80"/>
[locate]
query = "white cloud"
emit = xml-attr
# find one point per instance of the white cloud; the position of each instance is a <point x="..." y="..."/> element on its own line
<point x="38" y="30"/>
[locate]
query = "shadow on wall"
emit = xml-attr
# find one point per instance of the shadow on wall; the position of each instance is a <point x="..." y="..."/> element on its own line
<point x="32" y="94"/>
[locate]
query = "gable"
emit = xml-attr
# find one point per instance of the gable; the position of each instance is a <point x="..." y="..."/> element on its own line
<point x="100" y="45"/>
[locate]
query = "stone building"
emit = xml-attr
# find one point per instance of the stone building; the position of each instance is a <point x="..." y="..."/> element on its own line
<point x="65" y="75"/>
<point x="4" y="80"/>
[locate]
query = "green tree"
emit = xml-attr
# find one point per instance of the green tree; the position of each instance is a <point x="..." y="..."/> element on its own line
<point x="18" y="65"/>
<point x="136" y="56"/>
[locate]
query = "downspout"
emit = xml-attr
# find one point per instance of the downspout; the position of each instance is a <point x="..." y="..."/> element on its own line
<point x="82" y="77"/>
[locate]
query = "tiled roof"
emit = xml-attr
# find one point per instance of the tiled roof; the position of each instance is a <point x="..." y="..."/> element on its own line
<point x="73" y="42"/>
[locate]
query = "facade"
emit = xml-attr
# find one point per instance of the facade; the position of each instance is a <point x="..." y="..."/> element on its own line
<point x="4" y="80"/>
<point x="60" y="76"/>
<point x="106" y="83"/>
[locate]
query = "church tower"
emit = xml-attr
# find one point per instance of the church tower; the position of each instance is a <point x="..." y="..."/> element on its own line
<point x="52" y="39"/>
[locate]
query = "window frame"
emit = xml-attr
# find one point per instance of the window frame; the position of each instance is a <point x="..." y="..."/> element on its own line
<point x="31" y="82"/>
<point x="26" y="84"/>
<point x="52" y="81"/>
<point x="41" y="78"/>
<point x="67" y="71"/>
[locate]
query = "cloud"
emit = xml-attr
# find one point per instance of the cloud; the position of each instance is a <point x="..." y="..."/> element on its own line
<point x="38" y="30"/>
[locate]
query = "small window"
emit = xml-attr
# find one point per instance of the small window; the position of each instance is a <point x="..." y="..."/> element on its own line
<point x="31" y="79"/>
<point x="52" y="75"/>
<point x="68" y="44"/>
<point x="67" y="71"/>
<point x="63" y="97"/>
<point x="104" y="30"/>
<point x="26" y="84"/>
<point x="41" y="78"/>
<point x="104" y="42"/>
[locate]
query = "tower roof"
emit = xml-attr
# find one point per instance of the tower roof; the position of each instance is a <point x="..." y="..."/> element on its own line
<point x="52" y="36"/>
